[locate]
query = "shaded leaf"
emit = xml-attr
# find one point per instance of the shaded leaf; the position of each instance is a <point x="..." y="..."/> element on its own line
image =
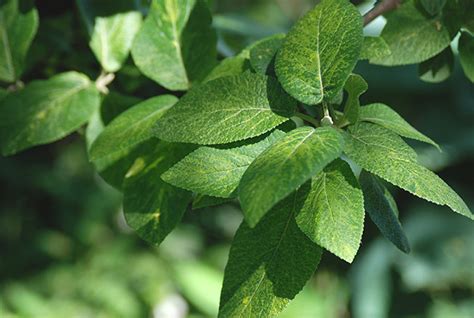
<point x="355" y="86"/>
<point x="438" y="68"/>
<point x="230" y="66"/>
<point x="466" y="54"/>
<point x="433" y="7"/>
<point x="285" y="166"/>
<point x="205" y="201"/>
<point x="263" y="52"/>
<point x="114" y="103"/>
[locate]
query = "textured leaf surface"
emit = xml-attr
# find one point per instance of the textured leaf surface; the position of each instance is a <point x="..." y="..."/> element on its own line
<point x="466" y="54"/>
<point x="333" y="212"/>
<point x="131" y="127"/>
<point x="438" y="68"/>
<point x="284" y="166"/>
<point x="46" y="110"/>
<point x="216" y="172"/>
<point x="320" y="51"/>
<point x="374" y="47"/>
<point x="269" y="264"/>
<point x="355" y="86"/>
<point x="386" y="155"/>
<point x="18" y="26"/>
<point x="112" y="26"/>
<point x="152" y="207"/>
<point x="176" y="45"/>
<point x="230" y="66"/>
<point x="384" y="116"/>
<point x="263" y="52"/>
<point x="227" y="109"/>
<point x="378" y="204"/>
<point x="412" y="36"/>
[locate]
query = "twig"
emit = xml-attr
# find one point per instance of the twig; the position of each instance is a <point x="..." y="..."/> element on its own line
<point x="379" y="9"/>
<point x="103" y="80"/>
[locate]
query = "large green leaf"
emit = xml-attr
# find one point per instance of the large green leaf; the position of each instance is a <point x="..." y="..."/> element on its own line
<point x="152" y="207"/>
<point x="216" y="172"/>
<point x="284" y="166"/>
<point x="230" y="66"/>
<point x="466" y="54"/>
<point x="320" y="51"/>
<point x="384" y="116"/>
<point x="269" y="264"/>
<point x="379" y="206"/>
<point x="438" y="68"/>
<point x="227" y="109"/>
<point x="112" y="26"/>
<point x="18" y="25"/>
<point x="130" y="128"/>
<point x="412" y="36"/>
<point x="46" y="110"/>
<point x="333" y="212"/>
<point x="263" y="52"/>
<point x="176" y="45"/>
<point x="386" y="155"/>
<point x="355" y="86"/>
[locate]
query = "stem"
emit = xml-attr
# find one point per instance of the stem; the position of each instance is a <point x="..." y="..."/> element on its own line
<point x="326" y="120"/>
<point x="379" y="9"/>
<point x="307" y="118"/>
<point x="103" y="80"/>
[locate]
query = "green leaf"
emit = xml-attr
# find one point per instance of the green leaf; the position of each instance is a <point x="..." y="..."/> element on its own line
<point x="216" y="172"/>
<point x="333" y="213"/>
<point x="46" y="110"/>
<point x="176" y="45"/>
<point x="412" y="36"/>
<point x="3" y="93"/>
<point x="262" y="54"/>
<point x="285" y="166"/>
<point x="113" y="104"/>
<point x="205" y="201"/>
<point x="384" y="116"/>
<point x="386" y="155"/>
<point x="227" y="109"/>
<point x="269" y="264"/>
<point x="355" y="86"/>
<point x="320" y="51"/>
<point x="438" y="68"/>
<point x="130" y="128"/>
<point x="466" y="54"/>
<point x="152" y="207"/>
<point x="18" y="26"/>
<point x="112" y="26"/>
<point x="433" y="7"/>
<point x="379" y="205"/>
<point x="230" y="66"/>
<point x="374" y="47"/>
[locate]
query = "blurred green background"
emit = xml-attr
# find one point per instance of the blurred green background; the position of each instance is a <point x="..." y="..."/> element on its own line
<point x="67" y="251"/>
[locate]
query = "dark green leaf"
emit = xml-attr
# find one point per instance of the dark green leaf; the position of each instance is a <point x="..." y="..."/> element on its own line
<point x="269" y="264"/>
<point x="379" y="205"/>
<point x="262" y="54"/>
<point x="386" y="155"/>
<point x="176" y="45"/>
<point x="355" y="86"/>
<point x="205" y="201"/>
<point x="113" y="104"/>
<point x="438" y="68"/>
<point x="112" y="26"/>
<point x="216" y="172"/>
<point x="320" y="51"/>
<point x="18" y="25"/>
<point x="46" y="110"/>
<point x="285" y="166"/>
<point x="152" y="207"/>
<point x="433" y="7"/>
<point x="466" y="54"/>
<point x="227" y="109"/>
<point x="333" y="212"/>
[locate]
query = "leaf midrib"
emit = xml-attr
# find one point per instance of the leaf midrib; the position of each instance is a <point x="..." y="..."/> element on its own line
<point x="6" y="43"/>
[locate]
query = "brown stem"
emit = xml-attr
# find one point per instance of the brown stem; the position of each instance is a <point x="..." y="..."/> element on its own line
<point x="379" y="9"/>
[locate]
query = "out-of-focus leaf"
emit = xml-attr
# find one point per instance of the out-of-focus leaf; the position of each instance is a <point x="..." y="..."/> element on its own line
<point x="374" y="47"/>
<point x="438" y="68"/>
<point x="466" y="54"/>
<point x="262" y="53"/>
<point x="433" y="7"/>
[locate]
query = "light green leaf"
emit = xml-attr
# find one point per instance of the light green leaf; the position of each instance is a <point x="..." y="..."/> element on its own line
<point x="262" y="54"/>
<point x="112" y="26"/>
<point x="438" y="68"/>
<point x="227" y="109"/>
<point x="152" y="207"/>
<point x="230" y="66"/>
<point x="205" y="201"/>
<point x="386" y="155"/>
<point x="433" y="7"/>
<point x="176" y="45"/>
<point x="216" y="172"/>
<point x="320" y="51"/>
<point x="285" y="166"/>
<point x="333" y="213"/>
<point x="384" y="116"/>
<point x="18" y="26"/>
<point x="269" y="264"/>
<point x="374" y="47"/>
<point x="355" y="86"/>
<point x="130" y="128"/>
<point x="46" y="110"/>
<point x="94" y="127"/>
<point x="379" y="205"/>
<point x="466" y="54"/>
<point x="412" y="36"/>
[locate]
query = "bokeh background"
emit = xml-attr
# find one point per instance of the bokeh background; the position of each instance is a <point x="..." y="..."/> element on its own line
<point x="66" y="250"/>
